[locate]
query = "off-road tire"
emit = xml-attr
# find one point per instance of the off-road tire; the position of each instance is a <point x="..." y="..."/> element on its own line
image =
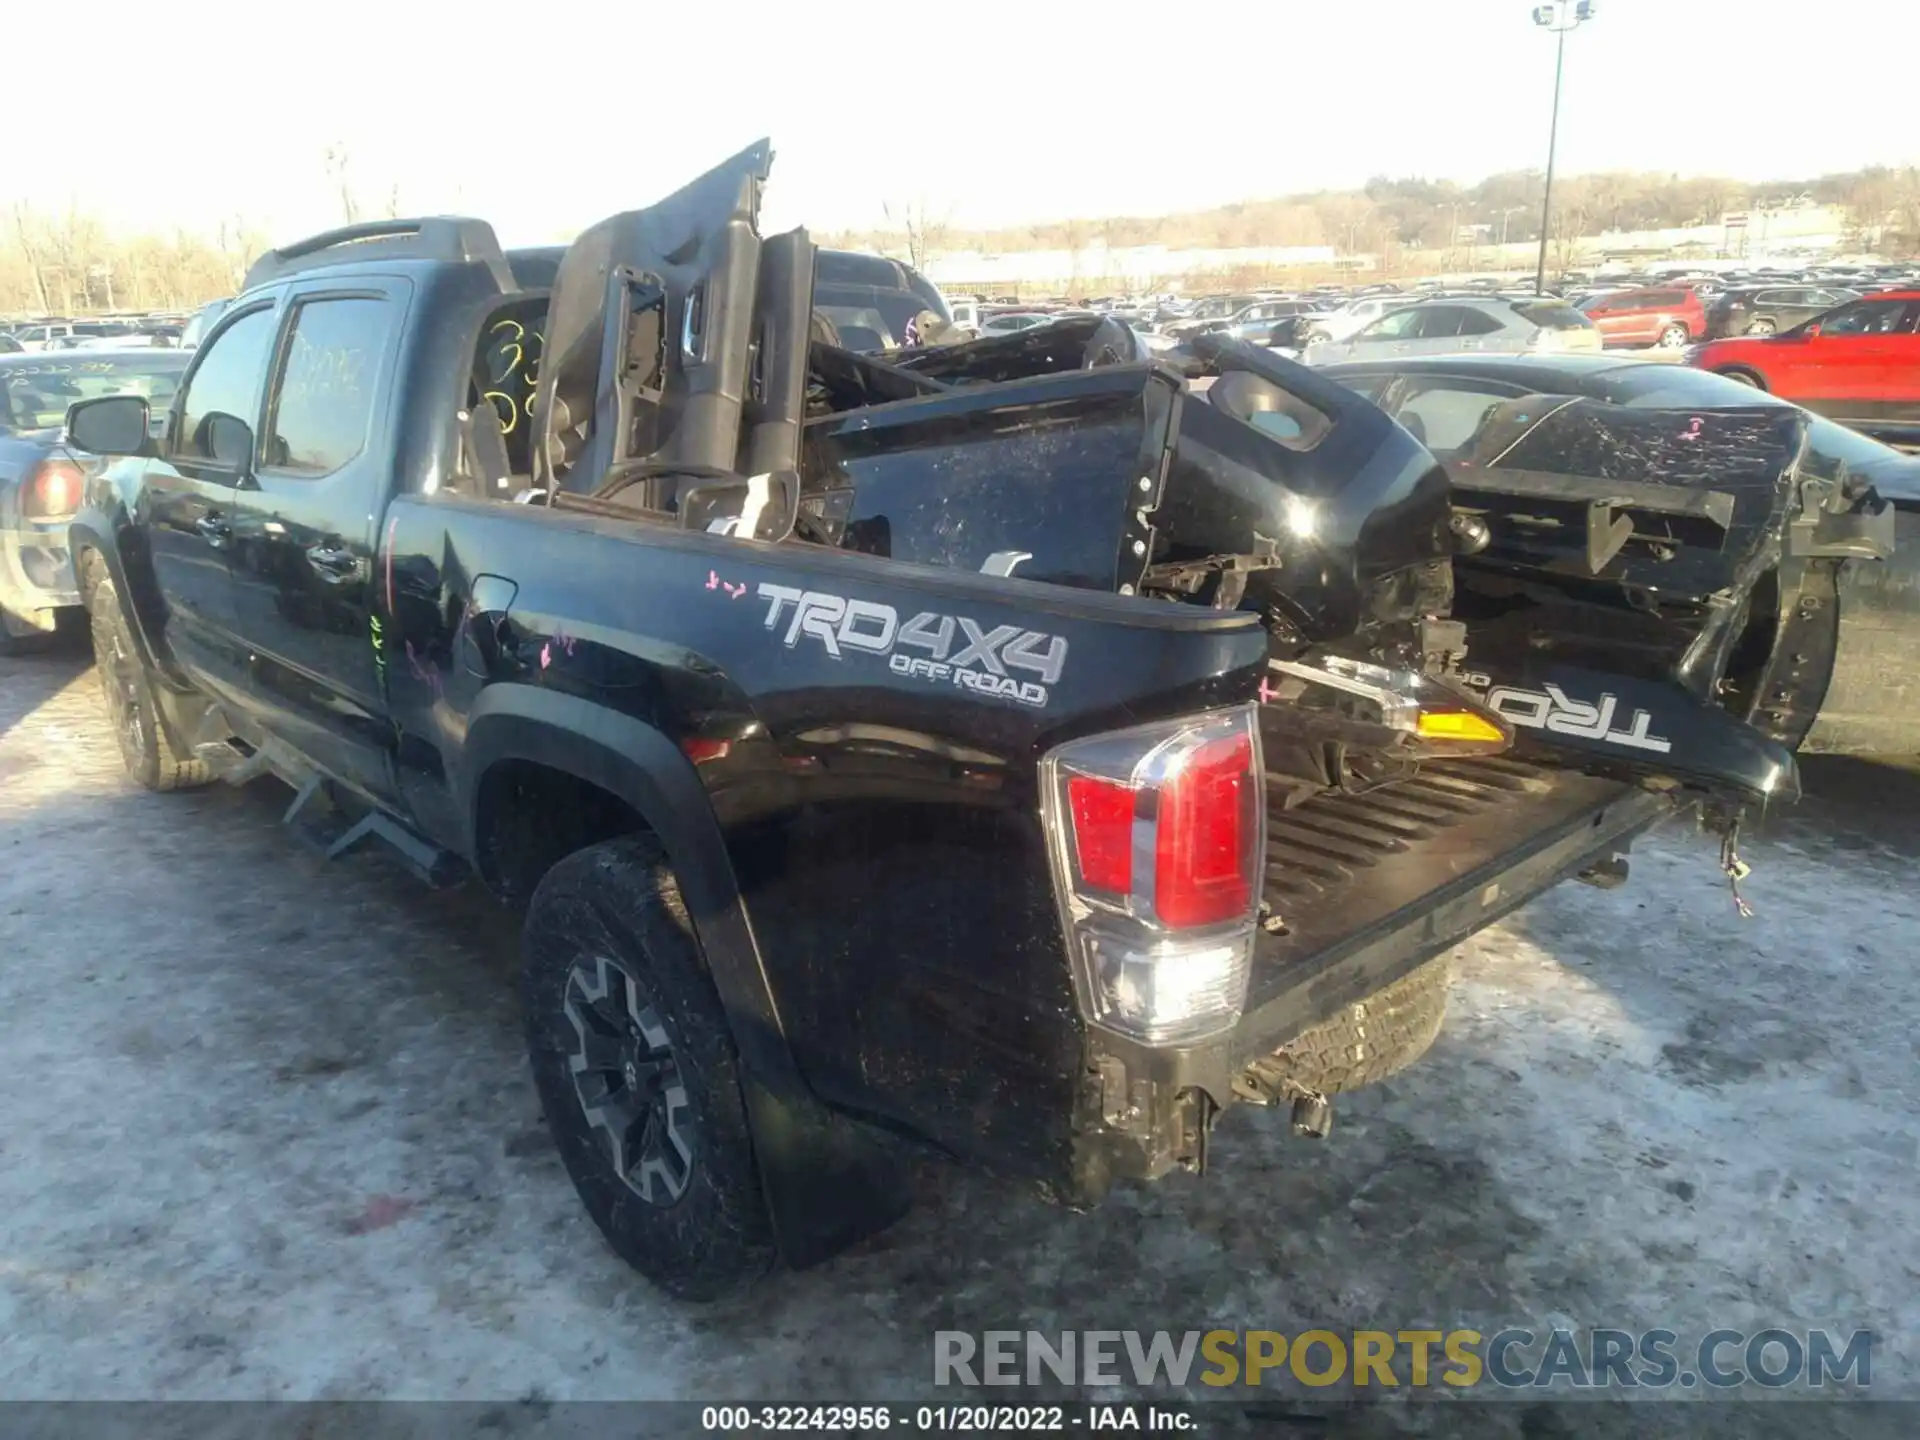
<point x="1370" y="1040"/>
<point x="127" y="692"/>
<point x="619" y="901"/>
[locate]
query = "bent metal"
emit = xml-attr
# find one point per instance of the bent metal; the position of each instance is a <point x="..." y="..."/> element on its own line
<point x="980" y="663"/>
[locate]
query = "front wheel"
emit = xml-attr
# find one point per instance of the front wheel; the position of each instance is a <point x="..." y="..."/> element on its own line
<point x="1745" y="377"/>
<point x="1762" y="327"/>
<point x="1674" y="337"/>
<point x="151" y="759"/>
<point x="638" y="1074"/>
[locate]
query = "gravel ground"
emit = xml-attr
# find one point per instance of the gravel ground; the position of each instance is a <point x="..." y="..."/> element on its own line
<point x="266" y="1132"/>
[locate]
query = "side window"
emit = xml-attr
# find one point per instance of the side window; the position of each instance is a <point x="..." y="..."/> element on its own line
<point x="324" y="395"/>
<point x="1372" y="384"/>
<point x="1397" y="326"/>
<point x="1476" y="322"/>
<point x="1439" y="322"/>
<point x="223" y="396"/>
<point x="1868" y="317"/>
<point x="1446" y="414"/>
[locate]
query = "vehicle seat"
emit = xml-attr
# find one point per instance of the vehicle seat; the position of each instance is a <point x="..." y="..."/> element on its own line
<point x="488" y="463"/>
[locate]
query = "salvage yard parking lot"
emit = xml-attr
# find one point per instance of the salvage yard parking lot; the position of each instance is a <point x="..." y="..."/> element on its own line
<point x="268" y="1132"/>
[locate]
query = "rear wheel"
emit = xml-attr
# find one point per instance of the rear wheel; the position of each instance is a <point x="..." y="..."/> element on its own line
<point x="638" y="1074"/>
<point x="1762" y="327"/>
<point x="150" y="757"/>
<point x="1745" y="377"/>
<point x="1673" y="337"/>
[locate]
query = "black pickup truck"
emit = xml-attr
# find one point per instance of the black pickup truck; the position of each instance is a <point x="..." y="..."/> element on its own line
<point x="1018" y="751"/>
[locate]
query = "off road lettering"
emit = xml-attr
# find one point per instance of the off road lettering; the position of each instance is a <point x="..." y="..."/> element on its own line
<point x="957" y="649"/>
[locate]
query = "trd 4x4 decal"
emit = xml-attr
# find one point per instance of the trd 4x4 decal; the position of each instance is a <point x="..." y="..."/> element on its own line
<point x="1553" y="710"/>
<point x="954" y="649"/>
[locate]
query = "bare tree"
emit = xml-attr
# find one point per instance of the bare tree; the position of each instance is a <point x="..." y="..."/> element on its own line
<point x="339" y="170"/>
<point x="27" y="228"/>
<point x="926" y="232"/>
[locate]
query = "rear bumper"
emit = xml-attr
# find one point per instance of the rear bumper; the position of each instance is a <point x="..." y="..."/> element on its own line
<point x="1370" y="888"/>
<point x="36" y="574"/>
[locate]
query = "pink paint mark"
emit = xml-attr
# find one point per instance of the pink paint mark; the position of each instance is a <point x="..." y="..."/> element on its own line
<point x="736" y="591"/>
<point x="1692" y="432"/>
<point x="713" y="580"/>
<point x="422" y="671"/>
<point x="1267" y="693"/>
<point x="381" y="1211"/>
<point x="546" y="655"/>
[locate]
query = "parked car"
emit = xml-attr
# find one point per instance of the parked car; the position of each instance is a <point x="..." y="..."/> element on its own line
<point x="1859" y="704"/>
<point x="1265" y="322"/>
<point x="1441" y="327"/>
<point x="201" y="322"/>
<point x="41" y="479"/>
<point x="1012" y="322"/>
<point x="1665" y="316"/>
<point x="1346" y="320"/>
<point x="64" y="334"/>
<point x="1209" y="311"/>
<point x="871" y="300"/>
<point x="1769" y="309"/>
<point x="1859" y="364"/>
<point x="829" y="852"/>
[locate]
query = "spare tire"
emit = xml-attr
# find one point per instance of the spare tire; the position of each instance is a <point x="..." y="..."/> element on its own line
<point x="1367" y="1041"/>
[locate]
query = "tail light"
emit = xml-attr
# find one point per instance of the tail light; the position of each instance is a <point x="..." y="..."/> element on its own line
<point x="52" y="489"/>
<point x="1158" y="837"/>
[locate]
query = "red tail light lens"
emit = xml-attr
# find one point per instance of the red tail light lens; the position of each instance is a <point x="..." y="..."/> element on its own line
<point x="52" y="489"/>
<point x="1158" y="842"/>
<point x="1204" y="851"/>
<point x="1102" y="832"/>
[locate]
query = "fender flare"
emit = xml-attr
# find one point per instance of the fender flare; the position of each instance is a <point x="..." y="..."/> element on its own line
<point x="637" y="762"/>
<point x="89" y="532"/>
<point x="827" y="1183"/>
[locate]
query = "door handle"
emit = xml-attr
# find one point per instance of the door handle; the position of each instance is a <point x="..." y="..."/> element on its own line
<point x="214" y="529"/>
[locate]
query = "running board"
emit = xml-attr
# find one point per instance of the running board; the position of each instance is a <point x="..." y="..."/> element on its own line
<point x="321" y="821"/>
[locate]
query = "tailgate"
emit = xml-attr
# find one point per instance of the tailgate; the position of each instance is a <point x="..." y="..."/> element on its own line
<point x="1367" y="887"/>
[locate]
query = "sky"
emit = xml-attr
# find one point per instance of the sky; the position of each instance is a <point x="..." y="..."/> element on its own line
<point x="544" y="117"/>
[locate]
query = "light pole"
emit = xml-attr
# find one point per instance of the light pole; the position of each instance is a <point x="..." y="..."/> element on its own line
<point x="1559" y="16"/>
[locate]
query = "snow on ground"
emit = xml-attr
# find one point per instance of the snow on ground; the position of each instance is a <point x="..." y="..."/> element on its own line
<point x="266" y="1132"/>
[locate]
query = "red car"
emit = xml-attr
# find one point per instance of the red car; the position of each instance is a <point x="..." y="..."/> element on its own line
<point x="1859" y="364"/>
<point x="1668" y="317"/>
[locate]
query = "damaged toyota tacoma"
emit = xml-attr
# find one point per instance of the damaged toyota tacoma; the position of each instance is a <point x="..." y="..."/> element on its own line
<point x="1019" y="751"/>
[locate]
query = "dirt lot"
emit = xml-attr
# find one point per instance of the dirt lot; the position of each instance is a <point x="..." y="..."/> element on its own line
<point x="265" y="1131"/>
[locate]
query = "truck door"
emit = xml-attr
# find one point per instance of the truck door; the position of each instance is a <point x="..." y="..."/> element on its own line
<point x="304" y="529"/>
<point x="189" y="496"/>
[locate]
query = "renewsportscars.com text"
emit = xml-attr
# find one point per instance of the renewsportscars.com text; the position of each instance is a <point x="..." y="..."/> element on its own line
<point x="1596" y="1359"/>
